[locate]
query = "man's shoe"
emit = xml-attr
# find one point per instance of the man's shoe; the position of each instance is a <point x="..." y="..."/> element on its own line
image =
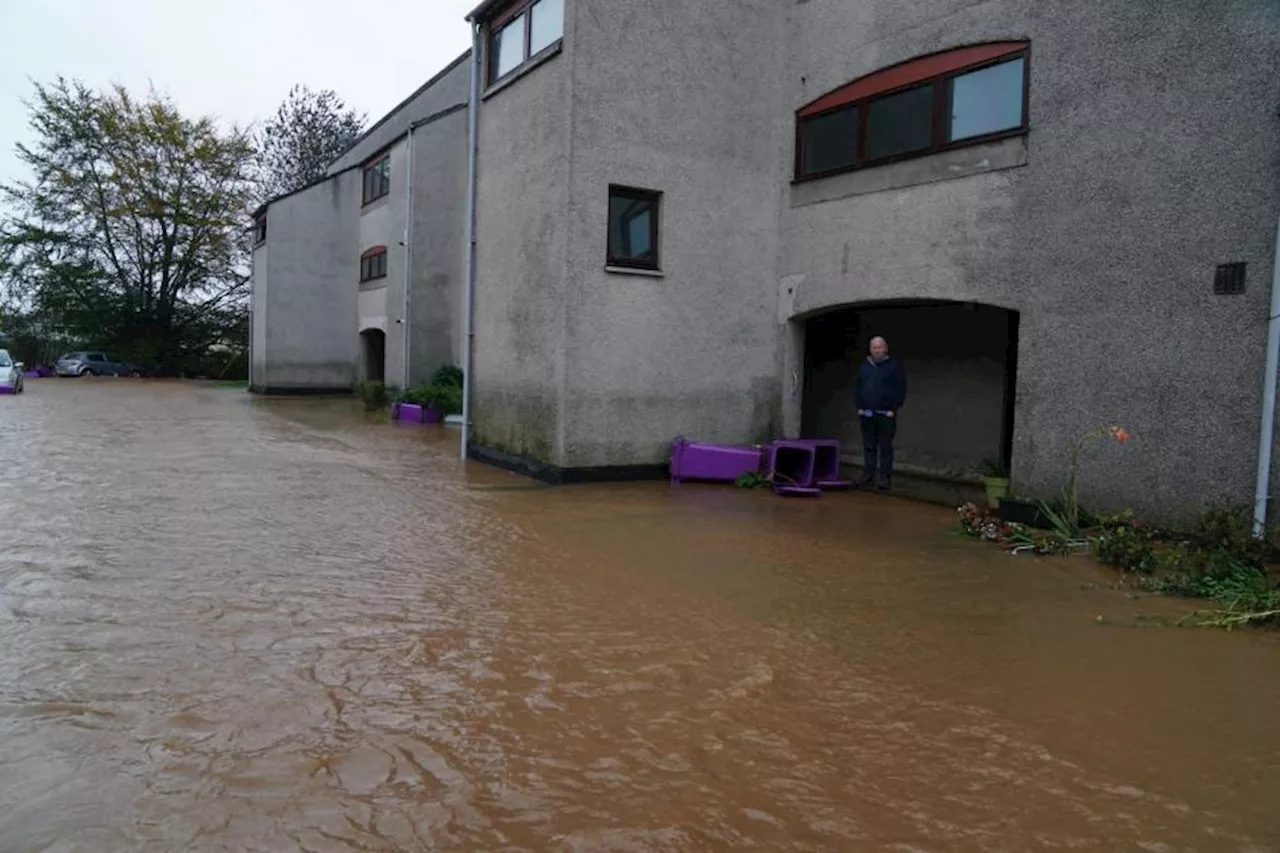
<point x="866" y="482"/>
<point x="883" y="485"/>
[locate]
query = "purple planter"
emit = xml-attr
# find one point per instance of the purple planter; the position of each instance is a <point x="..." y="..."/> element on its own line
<point x="414" y="414"/>
<point x="790" y="464"/>
<point x="721" y="463"/>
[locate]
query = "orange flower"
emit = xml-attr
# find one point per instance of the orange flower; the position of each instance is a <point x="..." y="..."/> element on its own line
<point x="1120" y="434"/>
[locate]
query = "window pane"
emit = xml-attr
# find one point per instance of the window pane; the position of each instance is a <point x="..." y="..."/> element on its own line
<point x="631" y="229"/>
<point x="900" y="123"/>
<point x="987" y="101"/>
<point x="508" y="48"/>
<point x="828" y="141"/>
<point x="547" y="24"/>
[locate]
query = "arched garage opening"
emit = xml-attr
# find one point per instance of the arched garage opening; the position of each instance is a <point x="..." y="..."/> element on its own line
<point x="961" y="363"/>
<point x="373" y="355"/>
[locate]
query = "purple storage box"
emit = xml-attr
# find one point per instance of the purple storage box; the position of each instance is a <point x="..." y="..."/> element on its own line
<point x="826" y="463"/>
<point x="695" y="460"/>
<point x="790" y="464"/>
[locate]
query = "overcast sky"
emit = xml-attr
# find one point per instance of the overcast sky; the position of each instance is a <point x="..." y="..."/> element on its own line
<point x="234" y="59"/>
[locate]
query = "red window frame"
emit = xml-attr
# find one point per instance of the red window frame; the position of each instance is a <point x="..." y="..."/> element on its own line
<point x="936" y="69"/>
<point x="369" y="270"/>
<point x="497" y="24"/>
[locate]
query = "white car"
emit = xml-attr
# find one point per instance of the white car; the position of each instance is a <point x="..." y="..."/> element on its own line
<point x="10" y="374"/>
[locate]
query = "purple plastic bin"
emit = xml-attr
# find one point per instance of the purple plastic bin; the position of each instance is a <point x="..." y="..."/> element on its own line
<point x="795" y="491"/>
<point x="722" y="463"/>
<point x="826" y="463"/>
<point x="790" y="464"/>
<point x="432" y="415"/>
<point x="410" y="412"/>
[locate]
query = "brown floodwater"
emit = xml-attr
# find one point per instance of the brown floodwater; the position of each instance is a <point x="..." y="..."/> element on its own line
<point x="236" y="624"/>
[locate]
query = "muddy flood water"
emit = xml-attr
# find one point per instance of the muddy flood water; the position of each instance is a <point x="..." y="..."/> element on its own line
<point x="230" y="624"/>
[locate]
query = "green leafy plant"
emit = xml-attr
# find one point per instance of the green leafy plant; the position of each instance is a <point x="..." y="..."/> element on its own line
<point x="1228" y="528"/>
<point x="991" y="468"/>
<point x="753" y="480"/>
<point x="1071" y="499"/>
<point x="375" y="395"/>
<point x="1127" y="549"/>
<point x="449" y="375"/>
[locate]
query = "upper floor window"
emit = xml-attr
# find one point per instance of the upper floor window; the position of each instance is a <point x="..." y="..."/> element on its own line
<point x="377" y="178"/>
<point x="935" y="103"/>
<point x="373" y="264"/>
<point x="525" y="30"/>
<point x="260" y="229"/>
<point x="633" y="228"/>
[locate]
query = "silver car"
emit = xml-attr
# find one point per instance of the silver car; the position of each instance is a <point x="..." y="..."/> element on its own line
<point x="10" y="374"/>
<point x="93" y="364"/>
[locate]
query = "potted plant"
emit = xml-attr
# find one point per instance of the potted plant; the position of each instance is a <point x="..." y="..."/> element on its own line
<point x="1065" y="514"/>
<point x="995" y="476"/>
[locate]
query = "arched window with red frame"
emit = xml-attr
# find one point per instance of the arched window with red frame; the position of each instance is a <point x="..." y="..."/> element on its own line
<point x="373" y="264"/>
<point x="960" y="97"/>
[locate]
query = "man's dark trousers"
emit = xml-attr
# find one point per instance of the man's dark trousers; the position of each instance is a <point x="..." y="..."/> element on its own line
<point x="877" y="447"/>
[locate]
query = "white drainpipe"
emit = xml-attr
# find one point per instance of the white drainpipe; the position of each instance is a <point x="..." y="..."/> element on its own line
<point x="1266" y="436"/>
<point x="408" y="252"/>
<point x="469" y="286"/>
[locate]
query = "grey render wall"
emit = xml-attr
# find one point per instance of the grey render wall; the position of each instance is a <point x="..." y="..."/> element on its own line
<point x="685" y="99"/>
<point x="259" y="282"/>
<point x="382" y="223"/>
<point x="439" y="247"/>
<point x="447" y="88"/>
<point x="1154" y="155"/>
<point x="308" y="304"/>
<point x="522" y="228"/>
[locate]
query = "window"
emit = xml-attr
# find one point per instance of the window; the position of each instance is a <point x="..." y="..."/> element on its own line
<point x="373" y="264"/>
<point x="377" y="179"/>
<point x="526" y="30"/>
<point x="260" y="229"/>
<point x="934" y="103"/>
<point x="987" y="101"/>
<point x="633" y="228"/>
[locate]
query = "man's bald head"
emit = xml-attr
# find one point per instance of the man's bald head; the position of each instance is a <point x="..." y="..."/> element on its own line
<point x="879" y="348"/>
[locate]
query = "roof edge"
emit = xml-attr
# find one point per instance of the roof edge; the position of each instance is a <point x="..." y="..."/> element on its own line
<point x="436" y="78"/>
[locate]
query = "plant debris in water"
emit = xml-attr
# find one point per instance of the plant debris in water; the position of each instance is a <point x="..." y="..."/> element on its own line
<point x="1219" y="560"/>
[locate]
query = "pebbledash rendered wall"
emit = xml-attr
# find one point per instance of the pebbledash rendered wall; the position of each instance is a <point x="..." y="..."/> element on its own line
<point x="1153" y="157"/>
<point x="309" y="306"/>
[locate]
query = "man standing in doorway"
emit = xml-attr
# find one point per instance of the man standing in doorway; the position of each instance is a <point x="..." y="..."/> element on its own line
<point x="882" y="389"/>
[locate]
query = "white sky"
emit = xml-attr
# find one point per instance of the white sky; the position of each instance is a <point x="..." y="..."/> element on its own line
<point x="233" y="59"/>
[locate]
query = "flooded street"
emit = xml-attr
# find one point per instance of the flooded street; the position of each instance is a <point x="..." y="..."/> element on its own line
<point x="236" y="624"/>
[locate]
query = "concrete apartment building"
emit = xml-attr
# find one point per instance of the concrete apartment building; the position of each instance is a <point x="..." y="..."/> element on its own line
<point x="690" y="218"/>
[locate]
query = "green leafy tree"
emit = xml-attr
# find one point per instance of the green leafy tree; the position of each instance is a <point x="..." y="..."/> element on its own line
<point x="308" y="132"/>
<point x="130" y="233"/>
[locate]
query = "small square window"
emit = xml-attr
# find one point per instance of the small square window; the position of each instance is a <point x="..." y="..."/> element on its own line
<point x="900" y="123"/>
<point x="506" y="49"/>
<point x="829" y="141"/>
<point x="1229" y="279"/>
<point x="373" y="265"/>
<point x="546" y="25"/>
<point x="377" y="179"/>
<point x="633" y="228"/>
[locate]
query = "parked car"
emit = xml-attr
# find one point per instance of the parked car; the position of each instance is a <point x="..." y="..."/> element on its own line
<point x="10" y="374"/>
<point x="94" y="364"/>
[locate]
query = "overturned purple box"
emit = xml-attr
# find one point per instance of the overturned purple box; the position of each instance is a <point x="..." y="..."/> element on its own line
<point x="826" y="463"/>
<point x="414" y="413"/>
<point x="721" y="463"/>
<point x="790" y="466"/>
